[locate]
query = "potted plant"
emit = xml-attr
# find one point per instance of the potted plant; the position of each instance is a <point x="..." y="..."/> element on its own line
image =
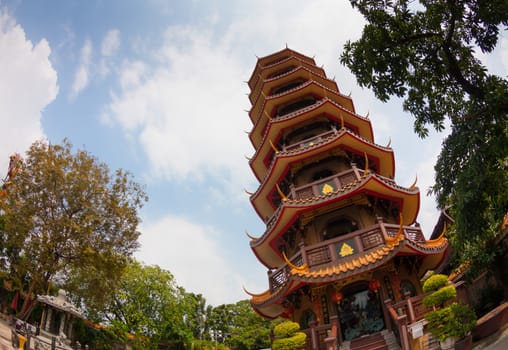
<point x="450" y="322"/>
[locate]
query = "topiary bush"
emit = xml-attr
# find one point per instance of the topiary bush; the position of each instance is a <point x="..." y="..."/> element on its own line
<point x="435" y="282"/>
<point x="286" y="329"/>
<point x="440" y="296"/>
<point x="288" y="336"/>
<point x="453" y="321"/>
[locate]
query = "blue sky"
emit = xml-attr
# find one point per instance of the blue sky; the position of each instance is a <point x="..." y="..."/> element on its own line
<point x="158" y="88"/>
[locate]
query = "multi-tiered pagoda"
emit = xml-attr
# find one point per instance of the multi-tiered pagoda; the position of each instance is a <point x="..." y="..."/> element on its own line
<point x="342" y="246"/>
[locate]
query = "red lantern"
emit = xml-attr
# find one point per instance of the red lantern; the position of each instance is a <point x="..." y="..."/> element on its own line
<point x="337" y="297"/>
<point x="374" y="285"/>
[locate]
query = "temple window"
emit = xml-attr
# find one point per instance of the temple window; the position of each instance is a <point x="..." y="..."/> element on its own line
<point x="407" y="287"/>
<point x="292" y="107"/>
<point x="281" y="72"/>
<point x="339" y="227"/>
<point x="307" y="317"/>
<point x="321" y="174"/>
<point x="287" y="87"/>
<point x="277" y="60"/>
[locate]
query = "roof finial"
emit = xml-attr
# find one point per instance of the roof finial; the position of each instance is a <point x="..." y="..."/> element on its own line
<point x="413" y="186"/>
<point x="293" y="266"/>
<point x="251" y="237"/>
<point x="273" y="147"/>
<point x="284" y="198"/>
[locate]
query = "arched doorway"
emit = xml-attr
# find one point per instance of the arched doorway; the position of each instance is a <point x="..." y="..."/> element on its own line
<point x="360" y="311"/>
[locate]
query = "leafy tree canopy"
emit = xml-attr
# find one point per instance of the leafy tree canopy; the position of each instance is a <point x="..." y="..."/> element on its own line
<point x="151" y="307"/>
<point x="239" y="326"/>
<point x="64" y="215"/>
<point x="425" y="52"/>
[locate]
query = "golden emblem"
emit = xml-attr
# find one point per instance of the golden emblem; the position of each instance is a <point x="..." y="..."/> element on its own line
<point x="346" y="250"/>
<point x="326" y="189"/>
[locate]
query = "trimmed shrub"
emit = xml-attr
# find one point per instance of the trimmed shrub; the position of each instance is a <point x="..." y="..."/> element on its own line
<point x="297" y="341"/>
<point x="435" y="282"/>
<point x="454" y="321"/>
<point x="286" y="329"/>
<point x="440" y="296"/>
<point x="288" y="337"/>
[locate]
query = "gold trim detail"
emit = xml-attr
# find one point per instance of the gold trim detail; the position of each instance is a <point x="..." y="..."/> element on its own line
<point x="399" y="236"/>
<point x="251" y="237"/>
<point x="273" y="147"/>
<point x="413" y="186"/>
<point x="303" y="268"/>
<point x="284" y="198"/>
<point x="366" y="163"/>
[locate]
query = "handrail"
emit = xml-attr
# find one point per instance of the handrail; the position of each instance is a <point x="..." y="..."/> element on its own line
<point x="326" y="252"/>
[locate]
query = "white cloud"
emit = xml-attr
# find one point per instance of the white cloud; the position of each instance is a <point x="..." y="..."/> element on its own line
<point x="110" y="43"/>
<point x="81" y="78"/>
<point x="27" y="86"/>
<point x="192" y="253"/>
<point x="188" y="112"/>
<point x="109" y="47"/>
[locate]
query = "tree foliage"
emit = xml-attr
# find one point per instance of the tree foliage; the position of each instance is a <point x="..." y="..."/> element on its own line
<point x="64" y="215"/>
<point x="149" y="307"/>
<point x="426" y="54"/>
<point x="239" y="326"/>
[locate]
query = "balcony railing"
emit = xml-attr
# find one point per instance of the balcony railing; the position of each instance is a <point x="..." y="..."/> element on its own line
<point x="341" y="249"/>
<point x="308" y="142"/>
<point x="321" y="187"/>
<point x="326" y="185"/>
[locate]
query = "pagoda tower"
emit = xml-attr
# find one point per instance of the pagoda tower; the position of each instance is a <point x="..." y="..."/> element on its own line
<point x="342" y="246"/>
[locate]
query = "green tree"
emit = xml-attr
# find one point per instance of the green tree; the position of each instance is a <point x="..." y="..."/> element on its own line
<point x="424" y="53"/>
<point x="197" y="314"/>
<point x="148" y="305"/>
<point x="238" y="326"/>
<point x="249" y="331"/>
<point x="65" y="215"/>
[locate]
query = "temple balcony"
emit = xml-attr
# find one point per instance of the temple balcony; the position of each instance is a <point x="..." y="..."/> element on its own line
<point x="331" y="252"/>
<point x="306" y="143"/>
<point x="326" y="184"/>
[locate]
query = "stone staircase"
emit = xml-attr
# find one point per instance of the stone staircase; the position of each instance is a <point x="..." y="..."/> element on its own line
<point x="384" y="340"/>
